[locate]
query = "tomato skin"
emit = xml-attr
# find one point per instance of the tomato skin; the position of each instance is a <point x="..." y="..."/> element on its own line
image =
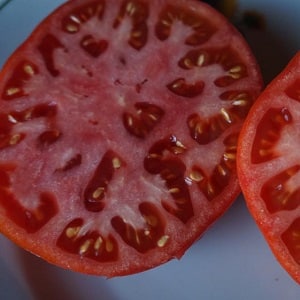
<point x="268" y="168"/>
<point x="173" y="191"/>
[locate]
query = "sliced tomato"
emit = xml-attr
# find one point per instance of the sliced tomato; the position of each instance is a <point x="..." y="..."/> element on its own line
<point x="118" y="132"/>
<point x="269" y="168"/>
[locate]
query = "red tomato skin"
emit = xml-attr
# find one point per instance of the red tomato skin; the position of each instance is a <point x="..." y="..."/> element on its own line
<point x="138" y="262"/>
<point x="272" y="225"/>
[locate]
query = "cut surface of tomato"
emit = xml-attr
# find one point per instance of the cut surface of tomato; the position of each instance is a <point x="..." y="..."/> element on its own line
<point x="268" y="165"/>
<point x="118" y="132"/>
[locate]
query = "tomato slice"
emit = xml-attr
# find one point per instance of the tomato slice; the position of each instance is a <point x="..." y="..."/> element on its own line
<point x="118" y="132"/>
<point x="268" y="165"/>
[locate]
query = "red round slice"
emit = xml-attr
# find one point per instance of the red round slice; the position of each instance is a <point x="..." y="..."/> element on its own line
<point x="118" y="132"/>
<point x="269" y="165"/>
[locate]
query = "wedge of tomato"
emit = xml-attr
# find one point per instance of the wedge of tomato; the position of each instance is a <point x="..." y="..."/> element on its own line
<point x="118" y="132"/>
<point x="269" y="165"/>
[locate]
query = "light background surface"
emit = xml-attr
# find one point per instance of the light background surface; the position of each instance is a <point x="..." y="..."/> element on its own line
<point x="231" y="261"/>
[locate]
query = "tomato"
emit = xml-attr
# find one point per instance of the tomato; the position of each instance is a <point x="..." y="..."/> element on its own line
<point x="268" y="165"/>
<point x="118" y="132"/>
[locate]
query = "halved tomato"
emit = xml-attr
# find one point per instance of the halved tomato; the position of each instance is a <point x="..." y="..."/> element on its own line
<point x="118" y="132"/>
<point x="269" y="165"/>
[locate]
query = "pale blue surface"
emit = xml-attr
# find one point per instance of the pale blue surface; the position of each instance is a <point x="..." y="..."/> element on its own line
<point x="231" y="262"/>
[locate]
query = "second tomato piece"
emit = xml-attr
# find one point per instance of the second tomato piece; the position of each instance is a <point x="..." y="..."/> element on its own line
<point x="269" y="165"/>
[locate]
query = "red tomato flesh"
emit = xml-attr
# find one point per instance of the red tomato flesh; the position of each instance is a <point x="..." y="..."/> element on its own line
<point x="268" y="165"/>
<point x="118" y="132"/>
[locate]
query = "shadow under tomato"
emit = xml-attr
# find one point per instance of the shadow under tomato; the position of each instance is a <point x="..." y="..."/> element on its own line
<point x="48" y="282"/>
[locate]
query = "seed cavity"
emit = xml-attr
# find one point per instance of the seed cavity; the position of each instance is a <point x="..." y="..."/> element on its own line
<point x="268" y="133"/>
<point x="138" y="12"/>
<point x="73" y="22"/>
<point x="97" y="187"/>
<point x="87" y="244"/>
<point x="213" y="184"/>
<point x="30" y="220"/>
<point x="143" y="238"/>
<point x="279" y="194"/>
<point x="49" y="137"/>
<point x="143" y="119"/>
<point x="182" y="88"/>
<point x="201" y="28"/>
<point x="93" y="46"/>
<point x="164" y="160"/>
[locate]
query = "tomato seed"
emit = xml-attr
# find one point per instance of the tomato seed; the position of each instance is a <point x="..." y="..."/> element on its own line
<point x="201" y="60"/>
<point x="229" y="156"/>
<point x="130" y="8"/>
<point x="98" y="243"/>
<point x="188" y="63"/>
<point x="85" y="247"/>
<point x="151" y="220"/>
<point x="75" y="19"/>
<point x="137" y="34"/>
<point x="98" y="192"/>
<point x="163" y="241"/>
<point x="235" y="72"/>
<point x="109" y="246"/>
<point x="240" y="102"/>
<point x="166" y="22"/>
<point x="13" y="91"/>
<point x="72" y="231"/>
<point x="28" y="69"/>
<point x="11" y="119"/>
<point x="221" y="170"/>
<point x="174" y="190"/>
<point x="226" y="115"/>
<point x="116" y="163"/>
<point x="196" y="176"/>
<point x="15" y="139"/>
<point x="71" y="28"/>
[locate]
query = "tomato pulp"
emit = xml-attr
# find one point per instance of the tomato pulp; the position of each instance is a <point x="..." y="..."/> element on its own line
<point x="268" y="165"/>
<point x="118" y="132"/>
